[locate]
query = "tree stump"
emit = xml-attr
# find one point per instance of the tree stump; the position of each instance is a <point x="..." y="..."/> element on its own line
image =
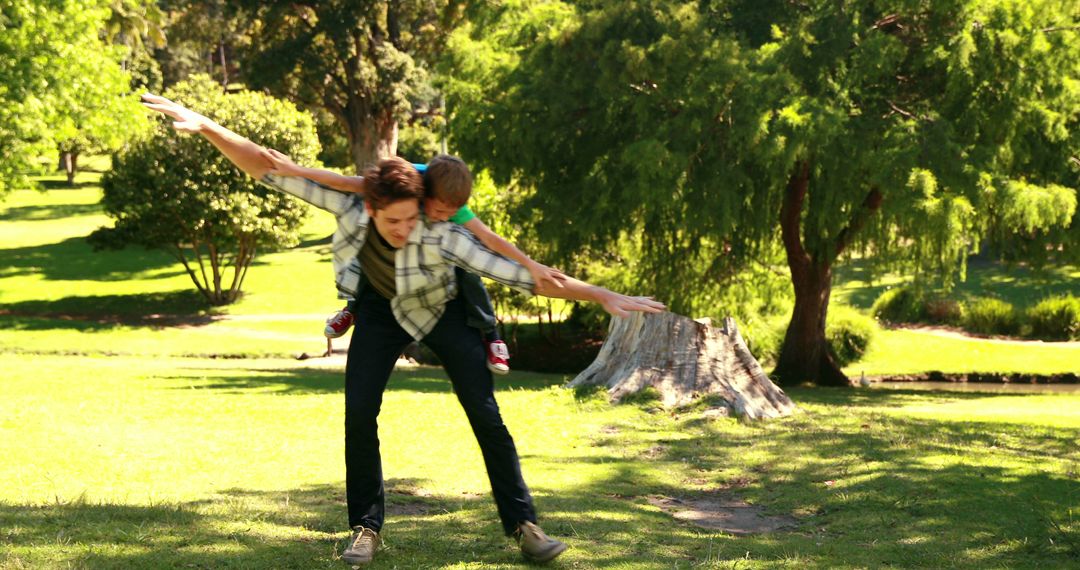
<point x="684" y="359"/>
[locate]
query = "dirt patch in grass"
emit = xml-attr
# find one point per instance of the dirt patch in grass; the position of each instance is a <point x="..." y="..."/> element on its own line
<point x="723" y="512"/>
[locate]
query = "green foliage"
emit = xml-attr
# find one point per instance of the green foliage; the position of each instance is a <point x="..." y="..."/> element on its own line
<point x="366" y="63"/>
<point x="986" y="315"/>
<point x="849" y="334"/>
<point x="901" y="305"/>
<point x="176" y="192"/>
<point x="417" y="143"/>
<point x="1056" y="318"/>
<point x="59" y="83"/>
<point x="685" y="126"/>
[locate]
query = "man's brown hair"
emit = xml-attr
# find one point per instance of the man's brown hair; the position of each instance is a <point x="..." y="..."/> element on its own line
<point x="448" y="179"/>
<point x="391" y="180"/>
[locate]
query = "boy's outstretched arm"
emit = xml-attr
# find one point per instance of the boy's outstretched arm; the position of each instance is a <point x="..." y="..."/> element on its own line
<point x="283" y="165"/>
<point x="243" y="153"/>
<point x="541" y="274"/>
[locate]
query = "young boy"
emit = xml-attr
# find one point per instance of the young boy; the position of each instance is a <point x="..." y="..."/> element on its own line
<point x="447" y="185"/>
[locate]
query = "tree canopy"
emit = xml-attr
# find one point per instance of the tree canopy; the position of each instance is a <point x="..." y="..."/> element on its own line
<point x="900" y="130"/>
<point x="364" y="62"/>
<point x="59" y="82"/>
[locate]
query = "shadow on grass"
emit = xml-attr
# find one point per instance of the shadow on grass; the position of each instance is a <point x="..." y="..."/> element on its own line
<point x="50" y="212"/>
<point x="53" y="184"/>
<point x="74" y="259"/>
<point x="424" y="379"/>
<point x="870" y="490"/>
<point x="1020" y="285"/>
<point x="97" y="312"/>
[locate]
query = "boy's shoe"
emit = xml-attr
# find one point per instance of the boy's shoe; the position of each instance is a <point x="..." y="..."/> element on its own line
<point x="338" y="324"/>
<point x="498" y="357"/>
<point x="537" y="546"/>
<point x="361" y="547"/>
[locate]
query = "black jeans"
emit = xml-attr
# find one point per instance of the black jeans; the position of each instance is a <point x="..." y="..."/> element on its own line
<point x="373" y="351"/>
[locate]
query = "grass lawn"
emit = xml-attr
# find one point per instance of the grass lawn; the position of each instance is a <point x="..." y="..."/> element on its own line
<point x="125" y="446"/>
<point x="135" y="462"/>
<point x="1019" y="285"/>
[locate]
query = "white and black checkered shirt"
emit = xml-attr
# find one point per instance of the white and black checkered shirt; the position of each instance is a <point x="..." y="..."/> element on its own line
<point x="423" y="267"/>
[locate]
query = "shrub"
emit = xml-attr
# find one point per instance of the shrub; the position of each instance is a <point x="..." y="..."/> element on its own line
<point x="1055" y="318"/>
<point x="849" y="334"/>
<point x="991" y="316"/>
<point x="176" y="192"/>
<point x="763" y="337"/>
<point x="944" y="311"/>
<point x="905" y="304"/>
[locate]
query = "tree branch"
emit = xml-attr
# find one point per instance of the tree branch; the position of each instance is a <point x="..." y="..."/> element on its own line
<point x="870" y="204"/>
<point x="790" y="212"/>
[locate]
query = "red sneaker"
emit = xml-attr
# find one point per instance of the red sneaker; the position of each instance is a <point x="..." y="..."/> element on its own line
<point x="498" y="357"/>
<point x="338" y="324"/>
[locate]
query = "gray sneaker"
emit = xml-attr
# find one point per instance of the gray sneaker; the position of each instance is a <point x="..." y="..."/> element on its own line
<point x="537" y="546"/>
<point x="361" y="547"/>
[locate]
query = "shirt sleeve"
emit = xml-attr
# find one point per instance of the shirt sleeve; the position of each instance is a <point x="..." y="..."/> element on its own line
<point x="312" y="192"/>
<point x="463" y="216"/>
<point x="462" y="248"/>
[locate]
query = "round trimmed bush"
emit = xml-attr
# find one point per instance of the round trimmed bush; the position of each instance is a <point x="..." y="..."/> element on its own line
<point x="905" y="304"/>
<point x="1055" y="318"/>
<point x="987" y="315"/>
<point x="849" y="334"/>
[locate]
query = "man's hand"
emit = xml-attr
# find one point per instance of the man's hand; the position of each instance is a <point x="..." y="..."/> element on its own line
<point x="545" y="276"/>
<point x="186" y="120"/>
<point x="621" y="305"/>
<point x="281" y="164"/>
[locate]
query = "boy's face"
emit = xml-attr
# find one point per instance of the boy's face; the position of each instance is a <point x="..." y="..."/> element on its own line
<point x="396" y="221"/>
<point x="437" y="210"/>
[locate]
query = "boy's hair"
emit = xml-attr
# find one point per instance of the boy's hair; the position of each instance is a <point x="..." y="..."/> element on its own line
<point x="448" y="179"/>
<point x="391" y="180"/>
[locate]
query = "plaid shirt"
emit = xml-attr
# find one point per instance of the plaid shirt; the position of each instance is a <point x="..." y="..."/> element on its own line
<point x="423" y="267"/>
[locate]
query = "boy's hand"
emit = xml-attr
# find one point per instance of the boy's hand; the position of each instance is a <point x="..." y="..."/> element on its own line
<point x="621" y="305"/>
<point x="186" y="120"/>
<point x="281" y="164"/>
<point x="543" y="274"/>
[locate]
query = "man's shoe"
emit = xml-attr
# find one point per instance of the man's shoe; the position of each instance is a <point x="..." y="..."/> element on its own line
<point x="361" y="547"/>
<point x="498" y="358"/>
<point x="338" y="324"/>
<point x="537" y="546"/>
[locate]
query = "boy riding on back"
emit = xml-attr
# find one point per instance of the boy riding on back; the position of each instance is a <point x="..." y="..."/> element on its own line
<point x="447" y="185"/>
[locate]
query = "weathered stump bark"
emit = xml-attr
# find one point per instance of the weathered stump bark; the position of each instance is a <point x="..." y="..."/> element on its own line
<point x="684" y="359"/>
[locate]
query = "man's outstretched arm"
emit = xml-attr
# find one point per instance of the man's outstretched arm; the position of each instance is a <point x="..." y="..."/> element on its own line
<point x="245" y="154"/>
<point x="464" y="250"/>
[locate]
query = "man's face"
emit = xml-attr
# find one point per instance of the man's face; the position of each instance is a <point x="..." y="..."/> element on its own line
<point x="437" y="210"/>
<point x="396" y="221"/>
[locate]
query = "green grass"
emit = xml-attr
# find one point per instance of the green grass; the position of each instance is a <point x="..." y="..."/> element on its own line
<point x="131" y="462"/>
<point x="1019" y="285"/>
<point x="123" y="446"/>
<point x="914" y="352"/>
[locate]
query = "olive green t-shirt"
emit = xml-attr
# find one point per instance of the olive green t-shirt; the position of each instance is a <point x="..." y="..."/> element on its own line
<point x="377" y="261"/>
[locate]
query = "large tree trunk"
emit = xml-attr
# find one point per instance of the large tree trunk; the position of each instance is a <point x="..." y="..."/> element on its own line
<point x="684" y="359"/>
<point x="371" y="138"/>
<point x="805" y="356"/>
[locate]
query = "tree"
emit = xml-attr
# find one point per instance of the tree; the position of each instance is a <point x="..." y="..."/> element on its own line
<point x="176" y="192"/>
<point x="364" y="62"/>
<point x="58" y="81"/>
<point x="899" y="130"/>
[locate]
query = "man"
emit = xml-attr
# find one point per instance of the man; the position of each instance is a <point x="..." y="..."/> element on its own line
<point x="406" y="291"/>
